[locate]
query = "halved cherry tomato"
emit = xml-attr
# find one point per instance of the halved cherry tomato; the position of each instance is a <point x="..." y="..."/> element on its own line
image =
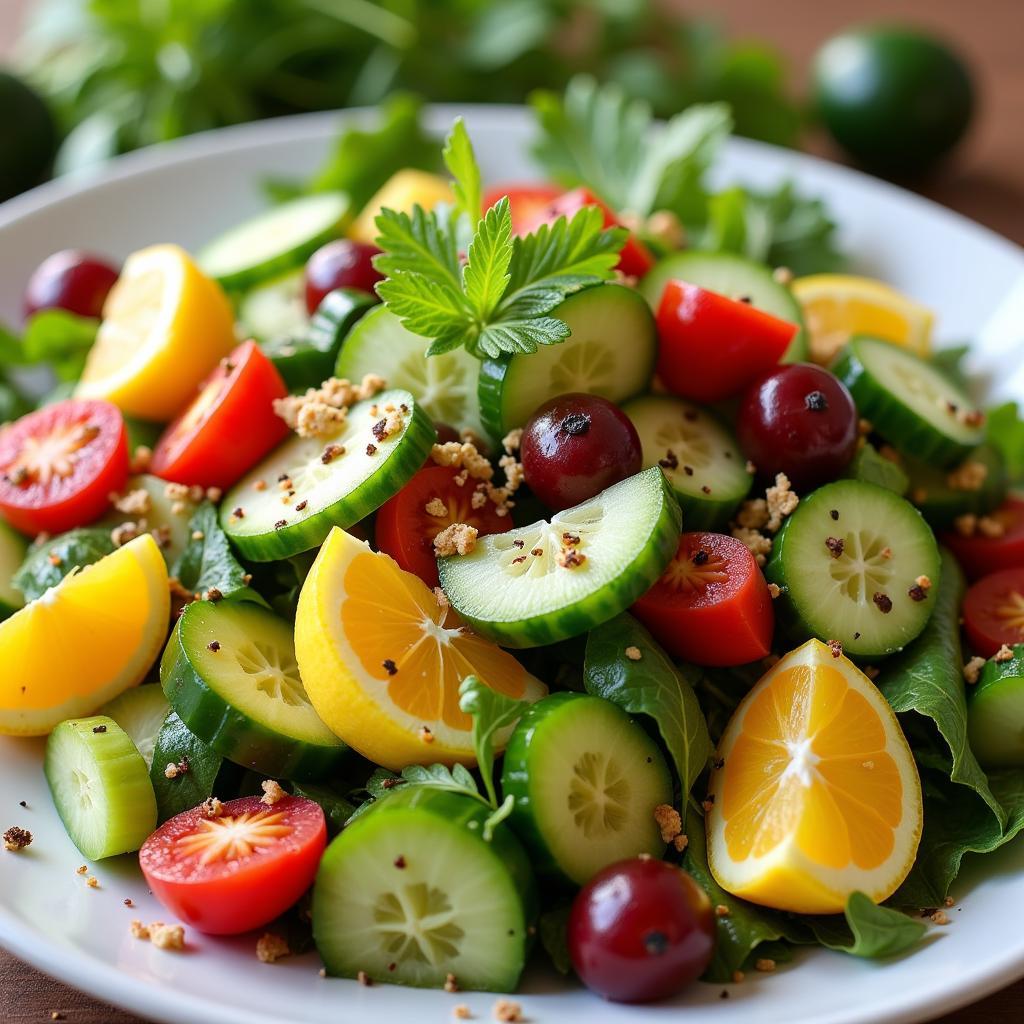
<point x="980" y="555"/>
<point x="994" y="611"/>
<point x="711" y="605"/>
<point x="60" y="464"/>
<point x="405" y="530"/>
<point x="635" y="258"/>
<point x="227" y="874"/>
<point x="527" y="203"/>
<point x="710" y="346"/>
<point x="230" y="425"/>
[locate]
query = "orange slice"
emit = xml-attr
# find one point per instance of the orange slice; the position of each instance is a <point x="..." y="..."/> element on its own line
<point x="382" y="660"/>
<point x="818" y="796"/>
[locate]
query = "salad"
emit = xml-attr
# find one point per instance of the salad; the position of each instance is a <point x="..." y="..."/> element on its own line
<point x="446" y="576"/>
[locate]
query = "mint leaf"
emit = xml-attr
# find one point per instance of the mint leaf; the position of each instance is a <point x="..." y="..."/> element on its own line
<point x="652" y="686"/>
<point x="494" y="716"/>
<point x="74" y="550"/>
<point x="867" y="930"/>
<point x="207" y="563"/>
<point x="461" y="163"/>
<point x="1005" y="431"/>
<point x="486" y="275"/>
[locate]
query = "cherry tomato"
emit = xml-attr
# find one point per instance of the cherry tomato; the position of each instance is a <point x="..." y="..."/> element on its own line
<point x="60" y="464"/>
<point x="527" y="203"/>
<point x="711" y="346"/>
<point x="340" y="264"/>
<point x="228" y="874"/>
<point x="994" y="611"/>
<point x="801" y="421"/>
<point x="711" y="605"/>
<point x="575" y="446"/>
<point x="979" y="555"/>
<point x="640" y="930"/>
<point x="406" y="530"/>
<point x="635" y="258"/>
<point x="230" y="425"/>
<point x="70" y="280"/>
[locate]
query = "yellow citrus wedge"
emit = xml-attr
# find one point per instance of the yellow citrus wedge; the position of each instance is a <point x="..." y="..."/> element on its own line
<point x="401" y="192"/>
<point x="382" y="660"/>
<point x="818" y="796"/>
<point x="84" y="641"/>
<point x="165" y="326"/>
<point x="838" y="306"/>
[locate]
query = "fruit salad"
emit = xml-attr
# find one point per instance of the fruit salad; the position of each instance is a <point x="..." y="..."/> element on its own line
<point x="480" y="576"/>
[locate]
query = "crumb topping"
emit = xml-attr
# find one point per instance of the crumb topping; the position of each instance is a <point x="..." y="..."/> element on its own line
<point x="141" y="458"/>
<point x="969" y="476"/>
<point x="16" y="839"/>
<point x="773" y="590"/>
<point x="764" y="964"/>
<point x="436" y="507"/>
<point x="462" y="455"/>
<point x="441" y="598"/>
<point x="456" y="539"/>
<point x="512" y="440"/>
<point x="507" y="1011"/>
<point x="450" y="983"/>
<point x="756" y="543"/>
<point x="670" y="822"/>
<point x="1005" y="653"/>
<point x="782" y="501"/>
<point x="634" y="654"/>
<point x="134" y="503"/>
<point x="271" y="947"/>
<point x="753" y="514"/>
<point x="322" y="411"/>
<point x="211" y="807"/>
<point x="272" y="792"/>
<point x="125" y="532"/>
<point x="973" y="669"/>
<point x="163" y="936"/>
<point x="680" y="842"/>
<point x="461" y="1012"/>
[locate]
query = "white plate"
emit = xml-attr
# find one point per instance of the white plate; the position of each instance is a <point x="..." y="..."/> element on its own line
<point x="186" y="192"/>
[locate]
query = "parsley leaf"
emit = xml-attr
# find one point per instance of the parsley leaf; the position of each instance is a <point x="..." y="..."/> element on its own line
<point x="461" y="163"/>
<point x="487" y="275"/>
<point x="494" y="715"/>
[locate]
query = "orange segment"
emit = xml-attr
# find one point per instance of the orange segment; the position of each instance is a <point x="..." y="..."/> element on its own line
<point x="818" y="795"/>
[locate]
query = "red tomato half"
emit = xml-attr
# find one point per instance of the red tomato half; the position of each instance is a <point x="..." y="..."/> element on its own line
<point x="710" y="346"/>
<point x="527" y="203"/>
<point x="711" y="605"/>
<point x="994" y="611"/>
<point x="229" y="874"/>
<point x="230" y="425"/>
<point x="59" y="465"/>
<point x="406" y="530"/>
<point x="980" y="555"/>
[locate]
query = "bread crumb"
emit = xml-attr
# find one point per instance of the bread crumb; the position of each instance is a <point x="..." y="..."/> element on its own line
<point x="764" y="964"/>
<point x="773" y="590"/>
<point x="456" y="539"/>
<point x="426" y="736"/>
<point x="450" y="984"/>
<point x="82" y="869"/>
<point x="782" y="275"/>
<point x="322" y="411"/>
<point x="436" y="507"/>
<point x="134" y="503"/>
<point x="939" y="917"/>
<point x="991" y="527"/>
<point x="669" y="821"/>
<point x="93" y="882"/>
<point x="969" y="476"/>
<point x="507" y="1011"/>
<point x="722" y="910"/>
<point x="462" y="455"/>
<point x="781" y="502"/>
<point x="680" y="842"/>
<point x="924" y="582"/>
<point x="141" y="458"/>
<point x="364" y="979"/>
<point x="211" y="807"/>
<point x="633" y="653"/>
<point x="163" y="936"/>
<point x="125" y="532"/>
<point x="461" y="1012"/>
<point x="973" y="669"/>
<point x="966" y="525"/>
<point x="441" y="598"/>
<point x="738" y="976"/>
<point x="1005" y="653"/>
<point x="272" y="792"/>
<point x="271" y="947"/>
<point x="512" y="440"/>
<point x="16" y="839"/>
<point x="756" y="543"/>
<point x="753" y="514"/>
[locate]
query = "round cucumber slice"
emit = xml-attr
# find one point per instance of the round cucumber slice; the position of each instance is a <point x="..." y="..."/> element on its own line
<point x="560" y="577"/>
<point x="943" y="495"/>
<point x="995" y="713"/>
<point x="736" y="277"/>
<point x="410" y="892"/>
<point x="178" y="790"/>
<point x="703" y="463"/>
<point x="586" y="780"/>
<point x="230" y="674"/>
<point x="275" y="308"/>
<point x="140" y="712"/>
<point x="914" y="406"/>
<point x="274" y="242"/>
<point x="611" y="352"/>
<point x="445" y="385"/>
<point x="13" y="549"/>
<point x="847" y="562"/>
<point x="335" y="491"/>
<point x="100" y="786"/>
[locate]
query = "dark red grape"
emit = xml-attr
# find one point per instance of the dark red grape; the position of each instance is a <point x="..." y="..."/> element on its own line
<point x="340" y="264"/>
<point x="640" y="930"/>
<point x="71" y="280"/>
<point x="575" y="446"/>
<point x="801" y="421"/>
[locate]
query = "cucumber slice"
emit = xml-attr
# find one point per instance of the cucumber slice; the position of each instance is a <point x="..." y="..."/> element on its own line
<point x="276" y="308"/>
<point x="586" y="779"/>
<point x="858" y="591"/>
<point x="915" y="407"/>
<point x="611" y="352"/>
<point x="872" y="468"/>
<point x="445" y="385"/>
<point x="995" y="713"/>
<point x="703" y="464"/>
<point x="736" y="277"/>
<point x="182" y="790"/>
<point x="162" y="520"/>
<point x="338" y="492"/>
<point x="276" y="241"/>
<point x="627" y="534"/>
<point x="140" y="712"/>
<point x="100" y="786"/>
<point x="940" y="503"/>
<point x="13" y="549"/>
<point x="229" y="672"/>
<point x="410" y="892"/>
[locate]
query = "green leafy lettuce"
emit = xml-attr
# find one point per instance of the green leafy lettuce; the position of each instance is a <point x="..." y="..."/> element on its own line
<point x="49" y="561"/>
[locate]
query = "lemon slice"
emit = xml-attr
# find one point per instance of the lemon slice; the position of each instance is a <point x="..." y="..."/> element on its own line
<point x="382" y="660"/>
<point x="165" y="326"/>
<point x="817" y="795"/>
<point x="401" y="192"/>
<point x="84" y="641"/>
<point x="838" y="306"/>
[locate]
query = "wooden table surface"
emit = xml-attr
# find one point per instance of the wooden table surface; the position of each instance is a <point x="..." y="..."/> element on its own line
<point x="985" y="181"/>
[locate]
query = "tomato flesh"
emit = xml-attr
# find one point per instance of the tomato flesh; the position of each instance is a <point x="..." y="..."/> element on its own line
<point x="405" y="530"/>
<point x="712" y="347"/>
<point x="527" y="203"/>
<point x="237" y="871"/>
<point x="229" y="426"/>
<point x="711" y="605"/>
<point x="994" y="611"/>
<point x="980" y="555"/>
<point x="60" y="464"/>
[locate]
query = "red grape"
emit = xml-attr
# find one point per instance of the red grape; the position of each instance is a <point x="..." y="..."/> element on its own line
<point x="641" y="930"/>
<point x="801" y="421"/>
<point x="340" y="264"/>
<point x="575" y="446"/>
<point x="71" y="280"/>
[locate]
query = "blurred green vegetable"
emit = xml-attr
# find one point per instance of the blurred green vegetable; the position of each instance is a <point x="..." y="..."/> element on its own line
<point x="28" y="137"/>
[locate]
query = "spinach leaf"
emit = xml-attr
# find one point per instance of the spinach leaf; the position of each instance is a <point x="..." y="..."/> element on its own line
<point x="652" y="686"/>
<point x="383" y="782"/>
<point x="1005" y="431"/>
<point x="553" y="928"/>
<point x="337" y="808"/>
<point x="176" y="745"/>
<point x="867" y="930"/>
<point x="493" y="714"/>
<point x="47" y="563"/>
<point x="61" y="340"/>
<point x="207" y="563"/>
